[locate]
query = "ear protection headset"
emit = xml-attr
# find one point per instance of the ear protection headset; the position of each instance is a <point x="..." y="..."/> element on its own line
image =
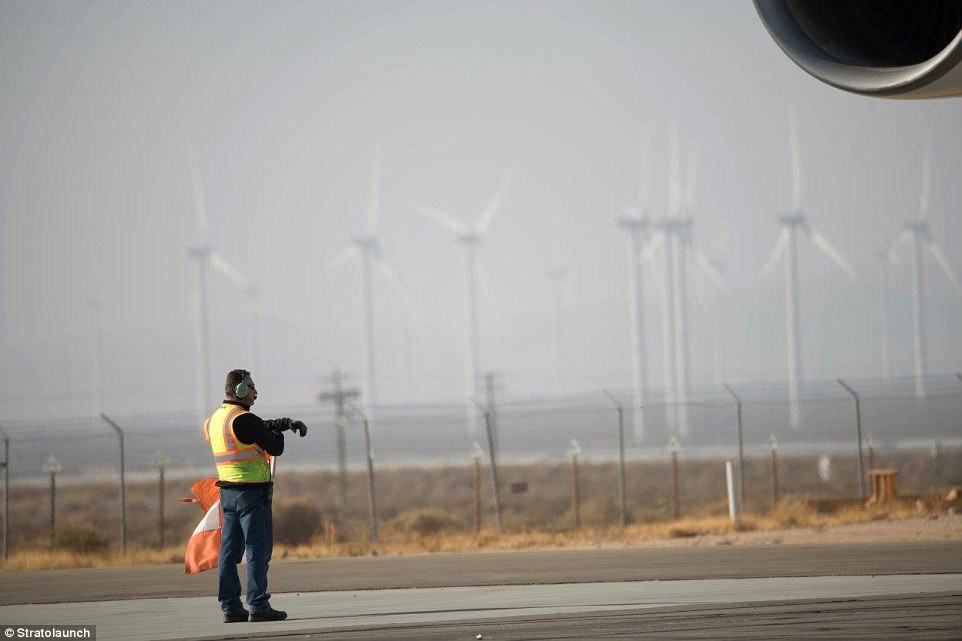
<point x="241" y="388"/>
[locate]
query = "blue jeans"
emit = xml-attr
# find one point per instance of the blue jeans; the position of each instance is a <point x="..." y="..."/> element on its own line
<point x="248" y="527"/>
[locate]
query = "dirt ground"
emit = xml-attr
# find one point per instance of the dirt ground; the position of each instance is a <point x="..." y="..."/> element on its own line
<point x="946" y="527"/>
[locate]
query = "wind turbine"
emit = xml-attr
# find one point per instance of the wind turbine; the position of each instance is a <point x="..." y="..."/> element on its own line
<point x="206" y="258"/>
<point x="368" y="248"/>
<point x="787" y="242"/>
<point x="635" y="223"/>
<point x="470" y="239"/>
<point x="917" y="232"/>
<point x="675" y="236"/>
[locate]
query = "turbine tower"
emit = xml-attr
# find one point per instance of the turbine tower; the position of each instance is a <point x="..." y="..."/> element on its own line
<point x="917" y="232"/>
<point x="470" y="239"/>
<point x="675" y="236"/>
<point x="369" y="249"/>
<point x="635" y="223"/>
<point x="206" y="259"/>
<point x="787" y="242"/>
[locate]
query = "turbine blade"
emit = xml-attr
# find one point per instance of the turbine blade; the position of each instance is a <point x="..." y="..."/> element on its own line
<point x="946" y="267"/>
<point x="200" y="207"/>
<point x="709" y="270"/>
<point x="495" y="203"/>
<point x="346" y="254"/>
<point x="776" y="251"/>
<point x="374" y="203"/>
<point x="831" y="251"/>
<point x="652" y="246"/>
<point x="926" y="183"/>
<point x="220" y="264"/>
<point x="796" y="162"/>
<point x="394" y="283"/>
<point x="447" y="221"/>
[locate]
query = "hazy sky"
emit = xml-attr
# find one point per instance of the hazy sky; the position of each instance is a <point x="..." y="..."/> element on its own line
<point x="103" y="105"/>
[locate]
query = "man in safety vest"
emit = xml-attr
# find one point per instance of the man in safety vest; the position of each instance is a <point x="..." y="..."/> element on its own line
<point x="244" y="446"/>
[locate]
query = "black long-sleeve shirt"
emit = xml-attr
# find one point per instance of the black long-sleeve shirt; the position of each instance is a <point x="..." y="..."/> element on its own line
<point x="250" y="428"/>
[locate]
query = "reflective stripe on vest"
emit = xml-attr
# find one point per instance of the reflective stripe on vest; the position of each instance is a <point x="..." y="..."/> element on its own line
<point x="236" y="462"/>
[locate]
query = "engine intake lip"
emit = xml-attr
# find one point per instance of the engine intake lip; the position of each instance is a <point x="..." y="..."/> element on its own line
<point x="843" y="70"/>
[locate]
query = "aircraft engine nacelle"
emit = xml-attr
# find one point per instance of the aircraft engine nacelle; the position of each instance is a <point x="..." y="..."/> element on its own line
<point x="887" y="49"/>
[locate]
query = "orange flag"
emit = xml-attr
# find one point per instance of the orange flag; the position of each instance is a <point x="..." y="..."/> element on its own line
<point x="203" y="547"/>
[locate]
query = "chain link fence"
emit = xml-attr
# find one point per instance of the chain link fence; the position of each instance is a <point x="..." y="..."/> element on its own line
<point x="526" y="433"/>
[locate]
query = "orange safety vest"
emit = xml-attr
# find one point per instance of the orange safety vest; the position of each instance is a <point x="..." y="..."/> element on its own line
<point x="236" y="462"/>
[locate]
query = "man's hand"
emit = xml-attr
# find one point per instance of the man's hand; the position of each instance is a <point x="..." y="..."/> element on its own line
<point x="299" y="427"/>
<point x="278" y="424"/>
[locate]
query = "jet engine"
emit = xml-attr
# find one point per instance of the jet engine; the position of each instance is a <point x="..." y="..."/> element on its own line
<point x="883" y="48"/>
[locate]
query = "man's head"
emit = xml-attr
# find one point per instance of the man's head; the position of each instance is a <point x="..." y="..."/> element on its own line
<point x="239" y="387"/>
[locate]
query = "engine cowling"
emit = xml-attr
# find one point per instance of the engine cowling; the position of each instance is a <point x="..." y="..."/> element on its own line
<point x="882" y="48"/>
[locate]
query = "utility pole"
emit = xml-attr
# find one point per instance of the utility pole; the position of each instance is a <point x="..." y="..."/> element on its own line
<point x="622" y="511"/>
<point x="339" y="396"/>
<point x="492" y="384"/>
<point x="492" y="456"/>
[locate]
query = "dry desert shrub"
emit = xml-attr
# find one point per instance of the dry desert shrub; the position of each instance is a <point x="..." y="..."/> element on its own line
<point x="296" y="522"/>
<point x="424" y="523"/>
<point x="81" y="539"/>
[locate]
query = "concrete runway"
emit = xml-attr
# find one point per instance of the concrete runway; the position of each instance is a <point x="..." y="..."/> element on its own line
<point x="911" y="590"/>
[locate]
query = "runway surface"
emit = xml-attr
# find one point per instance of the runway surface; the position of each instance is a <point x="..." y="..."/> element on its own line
<point x="911" y="590"/>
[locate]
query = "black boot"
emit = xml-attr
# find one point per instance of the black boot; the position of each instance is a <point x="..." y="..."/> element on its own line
<point x="270" y="614"/>
<point x="237" y="616"/>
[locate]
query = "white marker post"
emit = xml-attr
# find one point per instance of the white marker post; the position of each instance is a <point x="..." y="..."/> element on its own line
<point x="734" y="504"/>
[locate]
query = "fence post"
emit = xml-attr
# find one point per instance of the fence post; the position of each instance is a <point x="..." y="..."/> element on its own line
<point x="774" y="445"/>
<point x="674" y="448"/>
<point x="858" y="433"/>
<point x="741" y="446"/>
<point x="477" y="453"/>
<point x="52" y="466"/>
<point x="495" y="490"/>
<point x="574" y="451"/>
<point x="871" y="453"/>
<point x="123" y="497"/>
<point x="6" y="494"/>
<point x="160" y="461"/>
<point x="371" y="503"/>
<point x="622" y="509"/>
